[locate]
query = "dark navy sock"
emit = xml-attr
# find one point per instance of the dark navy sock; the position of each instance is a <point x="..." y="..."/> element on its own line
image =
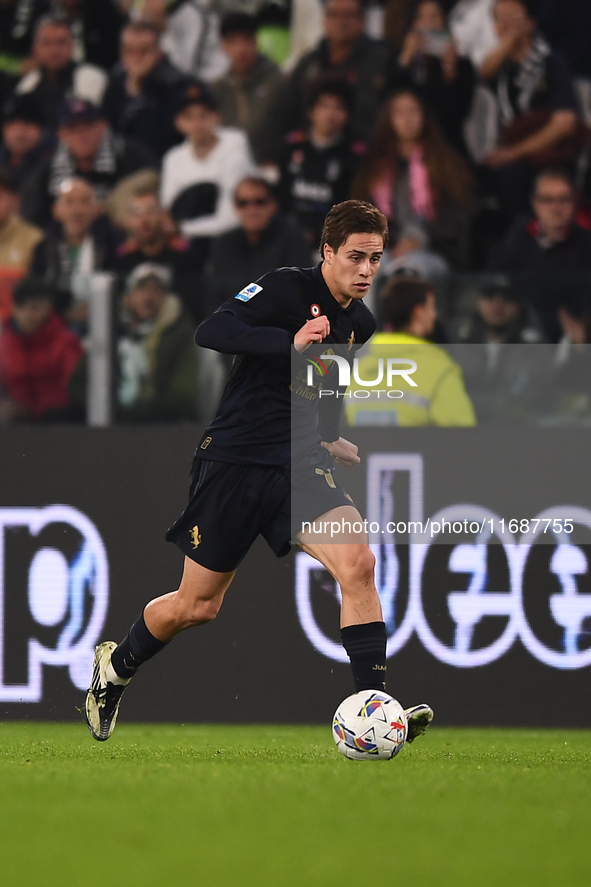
<point x="366" y="648"/>
<point x="137" y="647"/>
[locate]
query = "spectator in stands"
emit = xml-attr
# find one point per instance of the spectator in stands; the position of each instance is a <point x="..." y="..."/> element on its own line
<point x="56" y="75"/>
<point x="95" y="26"/>
<point x="37" y="357"/>
<point x="25" y="143"/>
<point x="199" y="176"/>
<point x="501" y="316"/>
<point x="17" y="25"/>
<point x="245" y="90"/>
<point x="87" y="149"/>
<point x="79" y="242"/>
<point x="345" y="51"/>
<point x="440" y="398"/>
<point x="142" y="91"/>
<point x="154" y="239"/>
<point x="536" y="101"/>
<point x="550" y="252"/>
<point x="429" y="62"/>
<point x="156" y="353"/>
<point x="318" y="164"/>
<point x="18" y="239"/>
<point x="421" y="184"/>
<point x="265" y="240"/>
<point x="190" y="34"/>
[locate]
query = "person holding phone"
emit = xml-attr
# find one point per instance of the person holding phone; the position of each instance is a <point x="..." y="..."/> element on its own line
<point x="429" y="62"/>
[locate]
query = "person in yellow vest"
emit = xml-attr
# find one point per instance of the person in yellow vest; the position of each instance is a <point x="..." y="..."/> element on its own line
<point x="439" y="396"/>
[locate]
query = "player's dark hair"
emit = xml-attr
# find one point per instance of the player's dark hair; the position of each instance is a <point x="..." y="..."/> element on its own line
<point x="352" y="217"/>
<point x="329" y="85"/>
<point x="400" y="298"/>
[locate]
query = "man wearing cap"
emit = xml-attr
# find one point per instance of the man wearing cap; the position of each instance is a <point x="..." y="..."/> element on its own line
<point x="157" y="369"/>
<point x="88" y="149"/>
<point x="56" y="75"/>
<point x="143" y="87"/>
<point x="25" y="142"/>
<point x="500" y="317"/>
<point x="199" y="176"/>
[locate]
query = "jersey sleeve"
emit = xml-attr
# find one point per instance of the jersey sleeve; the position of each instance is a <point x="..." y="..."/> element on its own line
<point x="251" y="322"/>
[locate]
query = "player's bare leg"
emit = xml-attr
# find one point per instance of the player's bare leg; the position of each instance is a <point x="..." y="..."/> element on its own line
<point x="351" y="562"/>
<point x="196" y="602"/>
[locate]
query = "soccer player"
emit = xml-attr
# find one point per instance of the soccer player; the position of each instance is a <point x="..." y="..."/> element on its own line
<point x="251" y="477"/>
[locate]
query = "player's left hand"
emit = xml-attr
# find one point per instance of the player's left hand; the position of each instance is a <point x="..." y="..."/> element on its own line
<point x="343" y="452"/>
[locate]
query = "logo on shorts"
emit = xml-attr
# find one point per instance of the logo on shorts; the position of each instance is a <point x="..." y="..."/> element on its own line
<point x="248" y="292"/>
<point x="327" y="477"/>
<point x="195" y="536"/>
<point x="205" y="443"/>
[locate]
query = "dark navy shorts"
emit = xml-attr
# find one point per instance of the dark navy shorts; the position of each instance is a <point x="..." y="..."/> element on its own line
<point x="230" y="505"/>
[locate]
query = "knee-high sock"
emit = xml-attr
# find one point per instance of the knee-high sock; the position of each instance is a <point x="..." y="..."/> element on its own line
<point x="137" y="647"/>
<point x="366" y="647"/>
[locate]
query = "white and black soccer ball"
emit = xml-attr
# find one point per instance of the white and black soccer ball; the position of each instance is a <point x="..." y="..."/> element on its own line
<point x="369" y="726"/>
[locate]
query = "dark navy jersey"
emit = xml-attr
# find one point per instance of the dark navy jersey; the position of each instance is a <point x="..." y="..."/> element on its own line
<point x="254" y="424"/>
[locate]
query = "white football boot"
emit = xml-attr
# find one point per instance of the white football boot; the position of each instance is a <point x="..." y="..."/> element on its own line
<point x="418" y="717"/>
<point x="103" y="697"/>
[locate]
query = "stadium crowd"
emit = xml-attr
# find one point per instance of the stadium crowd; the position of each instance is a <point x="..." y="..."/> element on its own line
<point x="186" y="147"/>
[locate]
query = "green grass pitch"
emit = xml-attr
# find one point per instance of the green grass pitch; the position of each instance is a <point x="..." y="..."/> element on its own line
<point x="262" y="806"/>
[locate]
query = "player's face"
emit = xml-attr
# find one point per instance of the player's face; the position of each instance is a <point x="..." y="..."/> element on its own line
<point x="350" y="270"/>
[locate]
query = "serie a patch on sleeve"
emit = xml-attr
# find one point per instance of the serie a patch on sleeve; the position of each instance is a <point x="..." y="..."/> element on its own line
<point x="248" y="292"/>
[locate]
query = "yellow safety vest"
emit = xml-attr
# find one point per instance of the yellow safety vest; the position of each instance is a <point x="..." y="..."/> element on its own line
<point x="439" y="397"/>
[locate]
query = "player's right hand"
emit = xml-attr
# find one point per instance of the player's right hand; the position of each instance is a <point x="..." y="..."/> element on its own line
<point x="313" y="331"/>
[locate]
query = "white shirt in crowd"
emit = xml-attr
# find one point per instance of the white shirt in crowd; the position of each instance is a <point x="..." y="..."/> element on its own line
<point x="192" y="40"/>
<point x="472" y="25"/>
<point x="225" y="166"/>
